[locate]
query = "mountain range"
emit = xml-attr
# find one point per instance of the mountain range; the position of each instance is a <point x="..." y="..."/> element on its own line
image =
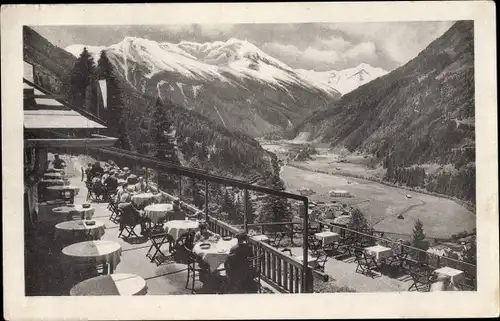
<point x="348" y="79"/>
<point x="420" y="113"/>
<point x="233" y="83"/>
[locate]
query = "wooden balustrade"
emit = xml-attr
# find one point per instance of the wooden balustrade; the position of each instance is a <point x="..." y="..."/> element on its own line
<point x="283" y="272"/>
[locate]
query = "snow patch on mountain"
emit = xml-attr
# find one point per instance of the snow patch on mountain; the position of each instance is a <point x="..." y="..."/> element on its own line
<point x="348" y="79"/>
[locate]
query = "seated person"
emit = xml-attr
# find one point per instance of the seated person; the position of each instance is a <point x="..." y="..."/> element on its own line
<point x="97" y="169"/>
<point x="111" y="183"/>
<point x="141" y="186"/>
<point x="131" y="215"/>
<point x="98" y="187"/>
<point x="178" y="213"/>
<point x="203" y="233"/>
<point x="58" y="163"/>
<point x="237" y="265"/>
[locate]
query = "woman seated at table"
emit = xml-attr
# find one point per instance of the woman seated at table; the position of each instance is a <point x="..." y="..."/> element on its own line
<point x="238" y="268"/>
<point x="203" y="233"/>
<point x="111" y="183"/>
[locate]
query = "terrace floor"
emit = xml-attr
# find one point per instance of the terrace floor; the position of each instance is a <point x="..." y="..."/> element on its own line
<point x="343" y="273"/>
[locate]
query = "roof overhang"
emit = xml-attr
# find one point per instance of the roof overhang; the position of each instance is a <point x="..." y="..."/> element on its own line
<point x="94" y="141"/>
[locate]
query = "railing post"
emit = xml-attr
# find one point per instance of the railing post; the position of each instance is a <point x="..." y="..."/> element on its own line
<point x="245" y="218"/>
<point x="206" y="200"/>
<point x="305" y="247"/>
<point x="180" y="187"/>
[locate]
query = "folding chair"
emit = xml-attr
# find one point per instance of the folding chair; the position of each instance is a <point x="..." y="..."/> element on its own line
<point x="422" y="280"/>
<point x="321" y="258"/>
<point x="274" y="239"/>
<point x="314" y="244"/>
<point x="366" y="264"/>
<point x="115" y="212"/>
<point x="128" y="221"/>
<point x="158" y="239"/>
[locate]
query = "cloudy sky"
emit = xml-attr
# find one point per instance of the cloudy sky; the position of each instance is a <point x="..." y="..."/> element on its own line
<point x="314" y="46"/>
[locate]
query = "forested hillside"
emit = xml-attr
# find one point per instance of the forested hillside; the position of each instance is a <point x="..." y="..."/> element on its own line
<point x="417" y="120"/>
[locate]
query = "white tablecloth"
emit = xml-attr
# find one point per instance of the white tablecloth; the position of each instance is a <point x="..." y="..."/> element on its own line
<point x="311" y="261"/>
<point x="76" y="210"/>
<point x="52" y="182"/>
<point x="140" y="198"/>
<point x="379" y="252"/>
<point x="260" y="238"/>
<point x="456" y="276"/>
<point x="68" y="229"/>
<point x="328" y="237"/>
<point x="217" y="254"/>
<point x="66" y="187"/>
<point x="115" y="284"/>
<point x="97" y="252"/>
<point x="176" y="228"/>
<point x="155" y="212"/>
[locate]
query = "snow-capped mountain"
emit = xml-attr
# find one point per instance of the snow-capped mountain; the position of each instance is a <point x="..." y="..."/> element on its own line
<point x="232" y="82"/>
<point x="346" y="80"/>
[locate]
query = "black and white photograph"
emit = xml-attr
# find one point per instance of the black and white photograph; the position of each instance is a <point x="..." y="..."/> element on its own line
<point x="202" y="160"/>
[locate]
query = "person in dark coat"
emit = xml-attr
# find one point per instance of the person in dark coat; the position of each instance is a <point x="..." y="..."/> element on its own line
<point x="58" y="163"/>
<point x="237" y="266"/>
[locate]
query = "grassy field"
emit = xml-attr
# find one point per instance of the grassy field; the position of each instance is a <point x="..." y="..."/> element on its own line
<point x="382" y="204"/>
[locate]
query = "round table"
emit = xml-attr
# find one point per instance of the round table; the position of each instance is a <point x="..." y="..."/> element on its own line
<point x="64" y="188"/>
<point x="53" y="175"/>
<point x="178" y="227"/>
<point x="52" y="182"/>
<point x="155" y="212"/>
<point x="96" y="252"/>
<point x="217" y="254"/>
<point x="115" y="284"/>
<point x="139" y="199"/>
<point x="75" y="229"/>
<point x="78" y="210"/>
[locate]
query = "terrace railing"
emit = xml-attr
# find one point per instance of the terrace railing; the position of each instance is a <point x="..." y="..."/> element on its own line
<point x="418" y="255"/>
<point x="287" y="273"/>
<point x="283" y="272"/>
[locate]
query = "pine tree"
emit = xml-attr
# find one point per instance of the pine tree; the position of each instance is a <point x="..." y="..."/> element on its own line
<point x="358" y="221"/>
<point x="163" y="148"/>
<point x="418" y="239"/>
<point x="82" y="76"/>
<point x="275" y="209"/>
<point x="228" y="204"/>
<point x="115" y="115"/>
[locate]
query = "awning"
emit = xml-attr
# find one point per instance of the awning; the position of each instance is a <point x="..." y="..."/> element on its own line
<point x="94" y="141"/>
<point x="67" y="119"/>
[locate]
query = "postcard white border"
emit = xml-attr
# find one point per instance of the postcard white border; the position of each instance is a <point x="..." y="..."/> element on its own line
<point x="485" y="302"/>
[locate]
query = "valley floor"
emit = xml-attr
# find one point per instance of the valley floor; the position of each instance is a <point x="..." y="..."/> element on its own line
<point x="381" y="204"/>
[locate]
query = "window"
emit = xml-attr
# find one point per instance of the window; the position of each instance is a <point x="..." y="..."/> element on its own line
<point x="29" y="72"/>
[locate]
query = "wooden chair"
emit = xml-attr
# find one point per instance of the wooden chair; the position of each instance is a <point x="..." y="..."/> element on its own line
<point x="194" y="270"/>
<point x="158" y="238"/>
<point x="128" y="221"/>
<point x="314" y="244"/>
<point x="422" y="280"/>
<point x="366" y="264"/>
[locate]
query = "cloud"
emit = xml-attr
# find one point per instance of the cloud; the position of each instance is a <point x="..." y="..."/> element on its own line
<point x="343" y="56"/>
<point x="364" y="50"/>
<point x="334" y="42"/>
<point x="312" y="57"/>
<point x="400" y="41"/>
